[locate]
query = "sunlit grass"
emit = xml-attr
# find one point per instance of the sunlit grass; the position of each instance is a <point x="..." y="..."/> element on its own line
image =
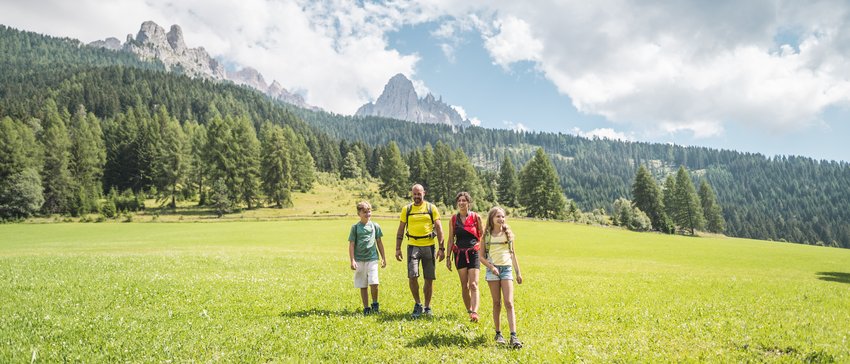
<point x="282" y="291"/>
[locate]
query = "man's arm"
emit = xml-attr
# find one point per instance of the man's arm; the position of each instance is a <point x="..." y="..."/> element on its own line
<point x="399" y="236"/>
<point x="438" y="227"/>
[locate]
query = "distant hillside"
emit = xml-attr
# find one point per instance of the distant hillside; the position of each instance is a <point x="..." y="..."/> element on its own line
<point x="789" y="198"/>
<point x="796" y="199"/>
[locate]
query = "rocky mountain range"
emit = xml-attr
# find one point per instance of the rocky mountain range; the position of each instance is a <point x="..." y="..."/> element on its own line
<point x="400" y="101"/>
<point x="152" y="42"/>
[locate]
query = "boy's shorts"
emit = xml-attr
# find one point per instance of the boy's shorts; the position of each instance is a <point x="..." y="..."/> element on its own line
<point x="506" y="272"/>
<point x="415" y="254"/>
<point x="366" y="274"/>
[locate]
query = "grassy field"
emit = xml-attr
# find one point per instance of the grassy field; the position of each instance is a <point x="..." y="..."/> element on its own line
<point x="282" y="291"/>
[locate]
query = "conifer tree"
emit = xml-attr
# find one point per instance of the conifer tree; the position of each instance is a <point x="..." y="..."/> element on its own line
<point x="20" y="184"/>
<point x="646" y="196"/>
<point x="540" y="189"/>
<point x="439" y="180"/>
<point x="247" y="158"/>
<point x="221" y="163"/>
<point x="712" y="212"/>
<point x="170" y="160"/>
<point x="276" y="168"/>
<point x="394" y="173"/>
<point x="689" y="215"/>
<point x="508" y="183"/>
<point x="303" y="166"/>
<point x="350" y="165"/>
<point x="88" y="155"/>
<point x="196" y="140"/>
<point x="669" y="196"/>
<point x="55" y="174"/>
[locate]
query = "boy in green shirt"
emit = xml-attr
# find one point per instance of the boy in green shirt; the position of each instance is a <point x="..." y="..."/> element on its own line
<point x="364" y="244"/>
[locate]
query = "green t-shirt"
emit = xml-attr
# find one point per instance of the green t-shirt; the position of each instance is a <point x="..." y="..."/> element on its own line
<point x="365" y="240"/>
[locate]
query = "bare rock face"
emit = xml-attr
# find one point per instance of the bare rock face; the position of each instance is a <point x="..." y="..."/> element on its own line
<point x="400" y="101"/>
<point x="153" y="43"/>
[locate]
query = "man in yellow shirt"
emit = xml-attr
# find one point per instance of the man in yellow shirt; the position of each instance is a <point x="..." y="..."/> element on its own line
<point x="420" y="222"/>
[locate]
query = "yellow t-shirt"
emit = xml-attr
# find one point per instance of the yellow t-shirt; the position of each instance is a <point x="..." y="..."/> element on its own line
<point x="419" y="224"/>
<point x="499" y="252"/>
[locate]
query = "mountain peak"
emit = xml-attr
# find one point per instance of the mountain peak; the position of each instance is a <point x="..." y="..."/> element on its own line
<point x="400" y="101"/>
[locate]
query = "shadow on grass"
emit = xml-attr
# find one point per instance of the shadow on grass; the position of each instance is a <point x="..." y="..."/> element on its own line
<point x="442" y="340"/>
<point x="839" y="277"/>
<point x="319" y="312"/>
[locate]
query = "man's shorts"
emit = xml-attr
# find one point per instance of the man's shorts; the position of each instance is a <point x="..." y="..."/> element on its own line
<point x="366" y="274"/>
<point x="425" y="254"/>
<point x="506" y="272"/>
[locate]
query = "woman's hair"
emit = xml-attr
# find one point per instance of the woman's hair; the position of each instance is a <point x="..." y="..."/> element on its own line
<point x="464" y="194"/>
<point x="505" y="228"/>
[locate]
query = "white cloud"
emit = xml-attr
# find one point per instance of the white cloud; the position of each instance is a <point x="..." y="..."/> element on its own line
<point x="602" y="133"/>
<point x="462" y="112"/>
<point x="685" y="66"/>
<point x="515" y="126"/>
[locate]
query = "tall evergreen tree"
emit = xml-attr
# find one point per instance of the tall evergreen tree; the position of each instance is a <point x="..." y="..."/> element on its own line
<point x="540" y="190"/>
<point x="247" y="160"/>
<point x="88" y="155"/>
<point x="221" y="163"/>
<point x="394" y="173"/>
<point x="196" y="140"/>
<point x="276" y="168"/>
<point x="439" y="181"/>
<point x="670" y="195"/>
<point x="170" y="161"/>
<point x="646" y="196"/>
<point x="20" y="158"/>
<point x="712" y="212"/>
<point x="508" y="183"/>
<point x="55" y="174"/>
<point x="350" y="165"/>
<point x="688" y="214"/>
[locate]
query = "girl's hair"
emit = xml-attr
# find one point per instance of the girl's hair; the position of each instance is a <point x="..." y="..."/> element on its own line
<point x="505" y="228"/>
<point x="363" y="206"/>
<point x="464" y="194"/>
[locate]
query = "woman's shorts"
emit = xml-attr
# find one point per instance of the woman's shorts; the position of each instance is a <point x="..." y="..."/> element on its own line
<point x="461" y="259"/>
<point x="366" y="274"/>
<point x="506" y="272"/>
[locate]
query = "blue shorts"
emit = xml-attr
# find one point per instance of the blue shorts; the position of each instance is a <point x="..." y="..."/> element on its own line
<point x="506" y="272"/>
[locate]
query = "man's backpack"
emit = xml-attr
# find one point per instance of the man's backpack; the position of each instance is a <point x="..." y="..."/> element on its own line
<point x="407" y="222"/>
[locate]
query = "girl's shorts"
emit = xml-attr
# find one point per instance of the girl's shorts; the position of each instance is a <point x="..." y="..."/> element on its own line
<point x="506" y="272"/>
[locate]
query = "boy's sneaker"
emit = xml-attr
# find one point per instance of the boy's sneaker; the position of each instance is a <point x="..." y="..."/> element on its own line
<point x="417" y="310"/>
<point x="499" y="338"/>
<point x="376" y="308"/>
<point x="515" y="343"/>
<point x="367" y="311"/>
<point x="428" y="312"/>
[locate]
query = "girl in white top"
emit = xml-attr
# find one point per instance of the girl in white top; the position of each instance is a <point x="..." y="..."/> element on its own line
<point x="499" y="257"/>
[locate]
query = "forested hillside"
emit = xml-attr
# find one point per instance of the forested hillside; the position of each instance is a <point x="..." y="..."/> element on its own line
<point x="787" y="198"/>
<point x="51" y="87"/>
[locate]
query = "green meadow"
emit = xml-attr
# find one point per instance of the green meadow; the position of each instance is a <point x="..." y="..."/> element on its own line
<point x="281" y="291"/>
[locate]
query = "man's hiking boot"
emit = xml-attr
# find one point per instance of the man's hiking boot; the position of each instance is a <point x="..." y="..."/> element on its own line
<point x="417" y="310"/>
<point x="515" y="343"/>
<point x="367" y="311"/>
<point x="473" y="316"/>
<point x="376" y="308"/>
<point x="428" y="312"/>
<point x="499" y="338"/>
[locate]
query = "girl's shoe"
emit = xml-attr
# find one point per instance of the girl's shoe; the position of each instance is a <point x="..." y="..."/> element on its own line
<point x="473" y="316"/>
<point x="515" y="343"/>
<point x="499" y="338"/>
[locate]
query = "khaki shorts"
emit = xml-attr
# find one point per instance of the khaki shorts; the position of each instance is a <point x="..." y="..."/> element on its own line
<point x="424" y="254"/>
<point x="366" y="274"/>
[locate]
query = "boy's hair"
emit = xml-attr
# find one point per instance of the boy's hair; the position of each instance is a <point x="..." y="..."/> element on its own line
<point x="363" y="206"/>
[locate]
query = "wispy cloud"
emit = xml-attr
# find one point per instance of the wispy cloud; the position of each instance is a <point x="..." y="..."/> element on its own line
<point x="602" y="133"/>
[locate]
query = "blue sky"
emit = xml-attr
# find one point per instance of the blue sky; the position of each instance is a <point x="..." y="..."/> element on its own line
<point x="764" y="76"/>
